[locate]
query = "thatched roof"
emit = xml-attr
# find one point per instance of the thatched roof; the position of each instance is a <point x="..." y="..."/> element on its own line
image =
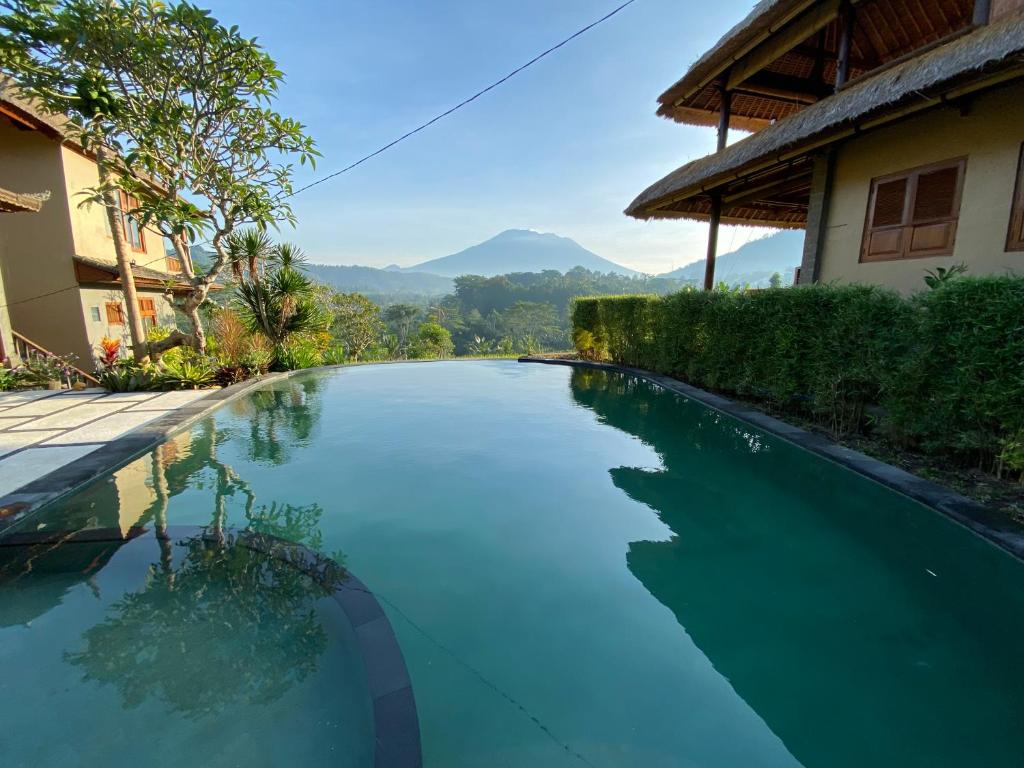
<point x="804" y="73"/>
<point x="15" y="202"/>
<point x="916" y="83"/>
<point x="764" y="18"/>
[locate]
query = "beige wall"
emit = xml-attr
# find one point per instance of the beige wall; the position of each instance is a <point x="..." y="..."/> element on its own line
<point x="89" y="225"/>
<point x="37" y="248"/>
<point x="94" y="300"/>
<point x="989" y="135"/>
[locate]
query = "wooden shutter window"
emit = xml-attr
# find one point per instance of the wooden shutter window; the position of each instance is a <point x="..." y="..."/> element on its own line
<point x="115" y="315"/>
<point x="1015" y="235"/>
<point x="147" y="308"/>
<point x="914" y="214"/>
<point x="129" y="226"/>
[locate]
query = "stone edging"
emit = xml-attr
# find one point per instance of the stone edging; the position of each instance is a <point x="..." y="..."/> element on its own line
<point x="995" y="526"/>
<point x="396" y="721"/>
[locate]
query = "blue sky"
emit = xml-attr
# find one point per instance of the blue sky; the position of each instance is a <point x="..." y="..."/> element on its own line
<point x="562" y="148"/>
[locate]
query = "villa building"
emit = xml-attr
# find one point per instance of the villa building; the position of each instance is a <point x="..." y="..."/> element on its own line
<point x="890" y="130"/>
<point x="58" y="264"/>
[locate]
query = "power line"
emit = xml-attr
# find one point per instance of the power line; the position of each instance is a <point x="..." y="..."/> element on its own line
<point x="463" y="103"/>
<point x="401" y="138"/>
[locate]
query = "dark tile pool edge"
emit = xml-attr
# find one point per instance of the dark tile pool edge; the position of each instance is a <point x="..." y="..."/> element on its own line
<point x="994" y="526"/>
<point x="19" y="504"/>
<point x="396" y="720"/>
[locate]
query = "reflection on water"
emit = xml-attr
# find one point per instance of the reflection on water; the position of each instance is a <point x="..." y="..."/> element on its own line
<point x="230" y="640"/>
<point x="851" y="622"/>
<point x="271" y="424"/>
<point x="215" y="624"/>
<point x="230" y="644"/>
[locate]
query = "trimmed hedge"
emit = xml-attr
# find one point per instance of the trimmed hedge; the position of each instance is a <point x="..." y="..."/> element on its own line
<point x="946" y="366"/>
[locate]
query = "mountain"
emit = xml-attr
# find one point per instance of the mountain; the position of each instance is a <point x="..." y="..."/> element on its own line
<point x="519" y="250"/>
<point x="753" y="263"/>
<point x="380" y="282"/>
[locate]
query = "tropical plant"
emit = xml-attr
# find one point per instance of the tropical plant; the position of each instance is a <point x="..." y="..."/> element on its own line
<point x="8" y="380"/>
<point x="356" y="322"/>
<point x="45" y="370"/>
<point x="432" y="341"/>
<point x="334" y="356"/>
<point x="188" y="372"/>
<point x="280" y="304"/>
<point x="126" y="376"/>
<point x="299" y="351"/>
<point x="936" y="278"/>
<point x="248" y="252"/>
<point x="176" y="109"/>
<point x="110" y="351"/>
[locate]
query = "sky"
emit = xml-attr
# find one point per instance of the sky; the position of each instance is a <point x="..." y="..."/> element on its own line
<point x="563" y="147"/>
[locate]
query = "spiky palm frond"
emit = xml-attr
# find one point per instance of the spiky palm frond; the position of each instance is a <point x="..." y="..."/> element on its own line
<point x="248" y="249"/>
<point x="289" y="256"/>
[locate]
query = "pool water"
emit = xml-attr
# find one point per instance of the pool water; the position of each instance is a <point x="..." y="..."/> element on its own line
<point x="581" y="569"/>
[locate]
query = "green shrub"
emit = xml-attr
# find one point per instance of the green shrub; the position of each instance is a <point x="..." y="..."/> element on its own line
<point x="8" y="380"/>
<point x="946" y="365"/>
<point x="960" y="389"/>
<point x="334" y="355"/>
<point x="190" y="371"/>
<point x="299" y="351"/>
<point x="126" y="376"/>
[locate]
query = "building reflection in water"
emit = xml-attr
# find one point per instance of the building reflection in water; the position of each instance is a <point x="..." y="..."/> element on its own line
<point x="863" y="628"/>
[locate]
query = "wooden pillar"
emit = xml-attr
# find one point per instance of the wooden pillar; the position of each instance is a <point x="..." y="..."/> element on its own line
<point x="847" y="18"/>
<point x="817" y="215"/>
<point x="724" y="114"/>
<point x="716" y="217"/>
<point x="982" y="12"/>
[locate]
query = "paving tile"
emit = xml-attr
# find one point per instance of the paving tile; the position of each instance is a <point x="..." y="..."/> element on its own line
<point x="130" y="397"/>
<point x="74" y="417"/>
<point x="103" y="430"/>
<point x="49" y="405"/>
<point x="25" y="396"/>
<point x="31" y="464"/>
<point x="13" y="441"/>
<point x="6" y="422"/>
<point x="172" y="399"/>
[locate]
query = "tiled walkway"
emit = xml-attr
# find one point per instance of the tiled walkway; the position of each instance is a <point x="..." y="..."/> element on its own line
<point x="41" y="431"/>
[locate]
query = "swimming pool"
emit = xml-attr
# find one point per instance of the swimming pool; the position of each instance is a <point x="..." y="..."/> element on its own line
<point x="581" y="569"/>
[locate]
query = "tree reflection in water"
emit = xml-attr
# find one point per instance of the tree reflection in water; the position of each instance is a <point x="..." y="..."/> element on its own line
<point x="219" y="621"/>
<point x="281" y="418"/>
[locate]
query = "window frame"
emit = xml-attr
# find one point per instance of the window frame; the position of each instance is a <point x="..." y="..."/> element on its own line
<point x="907" y="223"/>
<point x="128" y="202"/>
<point x="1015" y="234"/>
<point x="148" y="315"/>
<point x="115" y="313"/>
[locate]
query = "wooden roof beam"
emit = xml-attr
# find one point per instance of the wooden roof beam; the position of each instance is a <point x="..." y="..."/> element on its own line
<point x="787" y="38"/>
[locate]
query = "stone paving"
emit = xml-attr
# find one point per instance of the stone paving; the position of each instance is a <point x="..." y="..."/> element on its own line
<point x="41" y="431"/>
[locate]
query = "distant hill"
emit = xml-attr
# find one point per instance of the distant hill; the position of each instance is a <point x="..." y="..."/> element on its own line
<point x="380" y="282"/>
<point x="753" y="263"/>
<point x="519" y="250"/>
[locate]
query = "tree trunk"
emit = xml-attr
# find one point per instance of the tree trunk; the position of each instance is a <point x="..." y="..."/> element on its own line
<point x="124" y="263"/>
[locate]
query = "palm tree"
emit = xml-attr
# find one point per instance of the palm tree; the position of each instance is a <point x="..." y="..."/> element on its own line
<point x="248" y="252"/>
<point x="280" y="302"/>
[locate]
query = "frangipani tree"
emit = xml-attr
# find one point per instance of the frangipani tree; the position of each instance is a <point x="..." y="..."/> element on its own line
<point x="177" y="109"/>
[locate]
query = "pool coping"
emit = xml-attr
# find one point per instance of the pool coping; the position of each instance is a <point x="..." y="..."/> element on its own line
<point x="397" y="741"/>
<point x="996" y="527"/>
<point x="19" y="504"/>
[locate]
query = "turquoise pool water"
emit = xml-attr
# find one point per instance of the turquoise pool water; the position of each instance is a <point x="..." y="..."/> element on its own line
<point x="581" y="569"/>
